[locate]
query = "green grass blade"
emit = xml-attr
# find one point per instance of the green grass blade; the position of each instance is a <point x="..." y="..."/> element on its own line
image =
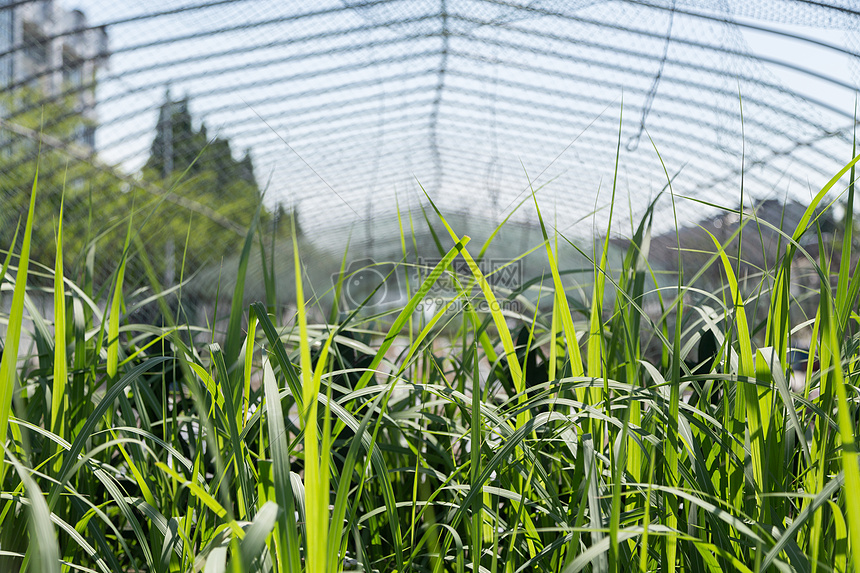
<point x="802" y="520"/>
<point x="746" y="369"/>
<point x="58" y="391"/>
<point x="286" y="530"/>
<point x="235" y="339"/>
<point x="594" y="492"/>
<point x="42" y="533"/>
<point x="249" y="362"/>
<point x="115" y="311"/>
<point x="830" y="342"/>
<point x="768" y="356"/>
<point x="560" y="299"/>
<point x="200" y="493"/>
<point x="475" y="463"/>
<point x="316" y="499"/>
<point x="842" y="285"/>
<point x="494" y="307"/>
<point x="255" y="537"/>
<point x="276" y="347"/>
<point x="8" y="364"/>
<point x="343" y="496"/>
<point x="778" y="320"/>
<point x="408" y="310"/>
<point x="237" y="452"/>
<point x="88" y="428"/>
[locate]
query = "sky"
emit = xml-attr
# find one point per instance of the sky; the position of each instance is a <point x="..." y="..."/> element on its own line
<point x="803" y="54"/>
<point x="348" y="146"/>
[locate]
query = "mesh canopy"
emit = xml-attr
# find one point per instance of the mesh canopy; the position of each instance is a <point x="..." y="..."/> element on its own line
<point x="344" y="110"/>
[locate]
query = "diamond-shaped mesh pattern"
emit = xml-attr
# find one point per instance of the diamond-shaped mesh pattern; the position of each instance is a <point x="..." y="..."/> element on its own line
<point x="346" y="109"/>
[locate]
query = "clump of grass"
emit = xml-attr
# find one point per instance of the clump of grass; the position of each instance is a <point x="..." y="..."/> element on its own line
<point x="302" y="447"/>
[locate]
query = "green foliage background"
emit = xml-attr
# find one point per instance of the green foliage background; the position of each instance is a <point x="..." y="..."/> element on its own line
<point x="100" y="201"/>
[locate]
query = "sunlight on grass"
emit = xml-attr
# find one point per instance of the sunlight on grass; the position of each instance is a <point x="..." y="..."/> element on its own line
<point x="466" y="436"/>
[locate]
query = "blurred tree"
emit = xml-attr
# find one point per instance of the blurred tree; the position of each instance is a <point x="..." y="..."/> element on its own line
<point x="192" y="202"/>
<point x="201" y="168"/>
<point x="48" y="134"/>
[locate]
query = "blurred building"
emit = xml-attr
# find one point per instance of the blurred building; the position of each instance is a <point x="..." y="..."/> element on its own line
<point x="53" y="50"/>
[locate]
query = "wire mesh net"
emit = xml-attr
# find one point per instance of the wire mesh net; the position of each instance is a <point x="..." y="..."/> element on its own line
<point x="340" y="115"/>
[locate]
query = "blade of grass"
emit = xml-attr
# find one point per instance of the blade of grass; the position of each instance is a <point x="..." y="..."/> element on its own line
<point x="831" y="343"/>
<point x="42" y="532"/>
<point x="8" y="364"/>
<point x="254" y="543"/>
<point x="115" y="312"/>
<point x="200" y="493"/>
<point x="249" y="360"/>
<point x="778" y="318"/>
<point x="237" y="452"/>
<point x="672" y="452"/>
<point x="286" y="532"/>
<point x="234" y="340"/>
<point x="58" y="391"/>
<point x="570" y="337"/>
<point x="751" y="399"/>
<point x="342" y="496"/>
<point x="88" y="428"/>
<point x="316" y="499"/>
<point x="475" y="467"/>
<point x="407" y="311"/>
<point x="494" y="307"/>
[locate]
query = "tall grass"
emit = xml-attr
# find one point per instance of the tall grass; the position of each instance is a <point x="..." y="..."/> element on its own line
<point x="314" y="446"/>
